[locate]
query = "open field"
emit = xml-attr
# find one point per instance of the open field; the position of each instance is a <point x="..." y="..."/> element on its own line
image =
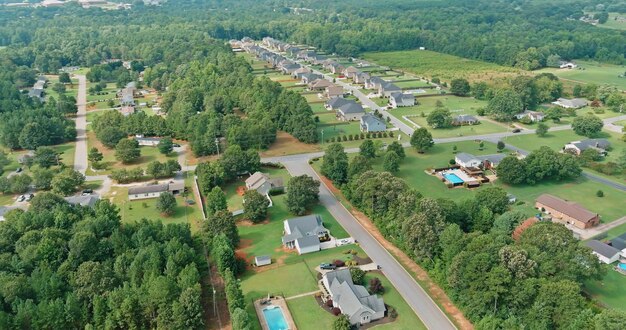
<point x="589" y="72"/>
<point x="70" y="89"/>
<point x="613" y="23"/>
<point x="611" y="290"/>
<point x="446" y="67"/>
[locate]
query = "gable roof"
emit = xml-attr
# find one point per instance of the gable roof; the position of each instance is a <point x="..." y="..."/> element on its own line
<point x="351" y="107"/>
<point x="371" y="120"/>
<point x="337" y="102"/>
<point x="465" y="157"/>
<point x="619" y="242"/>
<point x="602" y="249"/>
<point x="571" y="209"/>
<point x="305" y="226"/>
<point x="493" y="158"/>
<point x="89" y="200"/>
<point x="352" y="299"/>
<point x="387" y="86"/>
<point x="317" y="83"/>
<point x="465" y="118"/>
<point x="153" y="188"/>
<point x="591" y="143"/>
<point x="573" y="103"/>
<point x="400" y="97"/>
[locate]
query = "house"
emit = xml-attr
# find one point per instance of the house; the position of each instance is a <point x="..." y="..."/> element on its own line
<point x="353" y="300"/>
<point x="89" y="200"/>
<point x="297" y="74"/>
<point x="577" y="147"/>
<point x="127" y="110"/>
<point x="605" y="253"/>
<point x="289" y="68"/>
<point x="350" y="71"/>
<point x="336" y="68"/>
<point x="155" y="190"/>
<point x="534" y="116"/>
<point x="387" y="88"/>
<point x="319" y="84"/>
<point x="263" y="184"/>
<point x="350" y="111"/>
<point x="570" y="103"/>
<point x="374" y="82"/>
<point x="567" y="212"/>
<point x="305" y="233"/>
<point x="333" y="91"/>
<point x="148" y="141"/>
<point x="127" y="95"/>
<point x="309" y="77"/>
<point x="371" y="123"/>
<point x="262" y="260"/>
<point x="467" y="160"/>
<point x="401" y="100"/>
<point x="461" y="120"/>
<point x="38" y="88"/>
<point x="567" y="65"/>
<point x="619" y="243"/>
<point x="335" y="103"/>
<point x="491" y="161"/>
<point x="361" y="77"/>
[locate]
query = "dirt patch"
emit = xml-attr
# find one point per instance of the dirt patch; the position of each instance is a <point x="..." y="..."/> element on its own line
<point x="193" y="160"/>
<point x="241" y="190"/>
<point x="248" y="223"/>
<point x="286" y="144"/>
<point x="434" y="291"/>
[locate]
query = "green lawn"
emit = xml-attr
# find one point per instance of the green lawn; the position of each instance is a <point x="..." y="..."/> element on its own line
<point x="309" y="315"/>
<point x="110" y="92"/>
<point x="611" y="290"/>
<point x="67" y="151"/>
<point x="406" y="317"/>
<point x="589" y="72"/>
<point x="70" y="89"/>
<point x="612" y="23"/>
<point x="445" y="67"/>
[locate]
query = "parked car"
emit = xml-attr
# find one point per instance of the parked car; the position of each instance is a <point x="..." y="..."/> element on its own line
<point x="21" y="198"/>
<point x="175" y="145"/>
<point x="327" y="266"/>
<point x="517" y="130"/>
<point x="29" y="197"/>
<point x="87" y="191"/>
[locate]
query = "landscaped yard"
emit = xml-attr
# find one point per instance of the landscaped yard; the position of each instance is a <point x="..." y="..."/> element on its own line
<point x="592" y="73"/>
<point x="611" y="290"/>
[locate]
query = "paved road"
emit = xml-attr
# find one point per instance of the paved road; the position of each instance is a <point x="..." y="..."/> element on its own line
<point x="80" y="157"/>
<point x="430" y="314"/>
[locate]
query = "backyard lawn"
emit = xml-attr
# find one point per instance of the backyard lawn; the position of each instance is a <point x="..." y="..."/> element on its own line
<point x="235" y="201"/>
<point x="611" y="290"/>
<point x="589" y="72"/>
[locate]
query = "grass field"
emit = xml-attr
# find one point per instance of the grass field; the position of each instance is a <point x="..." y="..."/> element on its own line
<point x="433" y="64"/>
<point x="70" y="89"/>
<point x="610" y="291"/>
<point x="592" y="73"/>
<point x="612" y="23"/>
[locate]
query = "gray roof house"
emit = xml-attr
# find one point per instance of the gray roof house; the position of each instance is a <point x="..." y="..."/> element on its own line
<point x="619" y="243"/>
<point x="400" y="99"/>
<point x="570" y="103"/>
<point x="263" y="184"/>
<point x="353" y="300"/>
<point x="304" y="233"/>
<point x="361" y="77"/>
<point x="601" y="145"/>
<point x="485" y="161"/>
<point x="374" y="82"/>
<point x="387" y="88"/>
<point x="464" y="120"/>
<point x="605" y="253"/>
<point x="319" y="84"/>
<point x="155" y="190"/>
<point x="371" y="123"/>
<point x="350" y="111"/>
<point x="336" y="102"/>
<point x="89" y="200"/>
<point x="309" y="77"/>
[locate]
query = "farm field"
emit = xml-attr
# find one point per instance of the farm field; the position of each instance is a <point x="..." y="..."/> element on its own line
<point x="592" y="73"/>
<point x="445" y="67"/>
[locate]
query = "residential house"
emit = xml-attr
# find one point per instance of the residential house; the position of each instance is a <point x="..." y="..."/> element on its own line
<point x="350" y="111"/>
<point x="605" y="253"/>
<point x="263" y="184"/>
<point x="155" y="190"/>
<point x="38" y="88"/>
<point x="353" y="300"/>
<point x="148" y="141"/>
<point x="361" y="78"/>
<point x="567" y="212"/>
<point x="336" y="68"/>
<point x="319" y="84"/>
<point x="289" y="68"/>
<point x="484" y="161"/>
<point x="333" y="91"/>
<point x="309" y="77"/>
<point x="262" y="260"/>
<point x="534" y="116"/>
<point x="387" y="88"/>
<point x="305" y="233"/>
<point x="577" y="147"/>
<point x="350" y="72"/>
<point x="401" y="100"/>
<point x="619" y="243"/>
<point x="127" y="95"/>
<point x="335" y="103"/>
<point x="88" y="200"/>
<point x="570" y="103"/>
<point x="297" y="74"/>
<point x="461" y="120"/>
<point x="374" y="82"/>
<point x="127" y="110"/>
<point x="371" y="124"/>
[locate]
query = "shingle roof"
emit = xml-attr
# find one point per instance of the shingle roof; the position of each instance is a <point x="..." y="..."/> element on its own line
<point x="465" y="157"/>
<point x="89" y="200"/>
<point x="148" y="189"/>
<point x="372" y="120"/>
<point x="602" y="248"/>
<point x="308" y="225"/>
<point x="594" y="143"/>
<point x="351" y="107"/>
<point x="465" y="118"/>
<point x="351" y="298"/>
<point x="571" y="209"/>
<point x="619" y="242"/>
<point x="337" y="102"/>
<point x="308" y="241"/>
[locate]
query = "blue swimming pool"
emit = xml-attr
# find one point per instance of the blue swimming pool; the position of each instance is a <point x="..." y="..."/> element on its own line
<point x="453" y="178"/>
<point x="622" y="266"/>
<point x="275" y="318"/>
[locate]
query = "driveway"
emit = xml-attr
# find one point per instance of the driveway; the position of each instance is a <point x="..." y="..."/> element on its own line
<point x="415" y="296"/>
<point x="80" y="157"/>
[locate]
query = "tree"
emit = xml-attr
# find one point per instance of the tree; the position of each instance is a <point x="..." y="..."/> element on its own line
<point x="396" y="147"/>
<point x="439" y="118"/>
<point x="610" y="319"/>
<point x="42" y="178"/>
<point x="588" y="125"/>
<point x="500" y="146"/>
<point x="59" y="88"/>
<point x="45" y="157"/>
<point x="511" y="170"/>
<point x="367" y="149"/>
<point x="165" y="146"/>
<point x="494" y="198"/>
<point x="358" y="165"/>
<point x="166" y="203"/>
<point x="95" y="157"/>
<point x="154" y="169"/>
<point x="553" y="61"/>
<point x="210" y="175"/>
<point x="391" y="162"/>
<point x="376" y="286"/>
<point x="542" y="129"/>
<point x="505" y="105"/>
<point x="600" y="193"/>
<point x="64" y="78"/>
<point x="216" y="201"/>
<point x="222" y="222"/>
<point x="460" y="87"/>
<point x="67" y="182"/>
<point x="110" y="136"/>
<point x="358" y="275"/>
<point x="19" y="184"/>
<point x="422" y="140"/>
<point x="302" y="193"/>
<point x="335" y="164"/>
<point x="342" y="323"/>
<point x="507" y="221"/>
<point x="127" y="151"/>
<point x="255" y="206"/>
<point x="240" y="319"/>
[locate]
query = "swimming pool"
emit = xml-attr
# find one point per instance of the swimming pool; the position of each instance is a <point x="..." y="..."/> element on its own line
<point x="274" y="318"/>
<point x="453" y="178"/>
<point x="622" y="266"/>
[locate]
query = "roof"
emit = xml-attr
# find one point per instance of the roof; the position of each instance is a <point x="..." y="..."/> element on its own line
<point x="387" y="86"/>
<point x="148" y="189"/>
<point x="371" y="120"/>
<point x="351" y="107"/>
<point x="493" y="158"/>
<point x="148" y="139"/>
<point x="352" y="69"/>
<point x="591" y="143"/>
<point x="465" y="118"/>
<point x="262" y="258"/>
<point x="602" y="249"/>
<point x="262" y="183"/>
<point x="176" y="185"/>
<point x="320" y="83"/>
<point x="308" y="241"/>
<point x="465" y="157"/>
<point x="308" y="225"/>
<point x="351" y="299"/>
<point x="89" y="200"/>
<point x="377" y="80"/>
<point x="619" y="242"/>
<point x="574" y="103"/>
<point x="571" y="209"/>
<point x="337" y="102"/>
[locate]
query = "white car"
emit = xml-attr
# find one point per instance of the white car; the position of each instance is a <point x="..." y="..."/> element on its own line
<point x="21" y="198"/>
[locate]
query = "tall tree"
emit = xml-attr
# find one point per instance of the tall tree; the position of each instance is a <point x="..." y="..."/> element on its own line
<point x="302" y="193"/>
<point x="335" y="164"/>
<point x="422" y="140"/>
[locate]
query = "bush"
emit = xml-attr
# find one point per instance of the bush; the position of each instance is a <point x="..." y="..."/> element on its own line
<point x="452" y="161"/>
<point x="339" y="263"/>
<point x="392" y="312"/>
<point x="362" y="136"/>
<point x="329" y="303"/>
<point x="600" y="193"/>
<point x="336" y="311"/>
<point x="384" y="134"/>
<point x="390" y="133"/>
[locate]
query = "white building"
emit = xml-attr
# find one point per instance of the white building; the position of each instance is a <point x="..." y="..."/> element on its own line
<point x="155" y="190"/>
<point x="605" y="253"/>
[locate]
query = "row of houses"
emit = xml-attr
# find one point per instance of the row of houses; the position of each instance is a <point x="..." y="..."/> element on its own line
<point x="350" y="110"/>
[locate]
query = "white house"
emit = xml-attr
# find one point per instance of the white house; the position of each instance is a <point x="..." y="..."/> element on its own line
<point x="605" y="253"/>
<point x="567" y="65"/>
<point x="534" y="116"/>
<point x="148" y="141"/>
<point x="155" y="190"/>
<point x="304" y="233"/>
<point x="466" y="160"/>
<point x="401" y="100"/>
<point x="570" y="103"/>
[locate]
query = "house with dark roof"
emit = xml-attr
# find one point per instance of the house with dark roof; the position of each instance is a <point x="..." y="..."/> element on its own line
<point x="333" y="91"/>
<point x="577" y="147"/>
<point x="374" y="82"/>
<point x="304" y="233"/>
<point x="566" y="212"/>
<point x="401" y="100"/>
<point x="297" y="74"/>
<point x="350" y="72"/>
<point x="371" y="123"/>
<point x="309" y="77"/>
<point x="361" y="77"/>
<point x="605" y="253"/>
<point x="155" y="190"/>
<point x="88" y="200"/>
<point x="619" y="243"/>
<point x="387" y="88"/>
<point x="461" y="120"/>
<point x="353" y="300"/>
<point x="289" y="68"/>
<point x="336" y="68"/>
<point x="483" y="161"/>
<point x="350" y="111"/>
<point x="570" y="103"/>
<point x="335" y="103"/>
<point x="263" y="184"/>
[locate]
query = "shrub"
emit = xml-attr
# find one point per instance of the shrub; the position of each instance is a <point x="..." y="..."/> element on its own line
<point x="600" y="193"/>
<point x="368" y="135"/>
<point x="350" y="137"/>
<point x="362" y="136"/>
<point x="452" y="162"/>
<point x="392" y="312"/>
<point x="384" y="134"/>
<point x="336" y="311"/>
<point x="329" y="303"/>
<point x="339" y="263"/>
<point x="345" y="138"/>
<point x="391" y="134"/>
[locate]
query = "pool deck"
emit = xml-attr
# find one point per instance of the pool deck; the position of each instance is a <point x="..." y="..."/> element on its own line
<point x="276" y="301"/>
